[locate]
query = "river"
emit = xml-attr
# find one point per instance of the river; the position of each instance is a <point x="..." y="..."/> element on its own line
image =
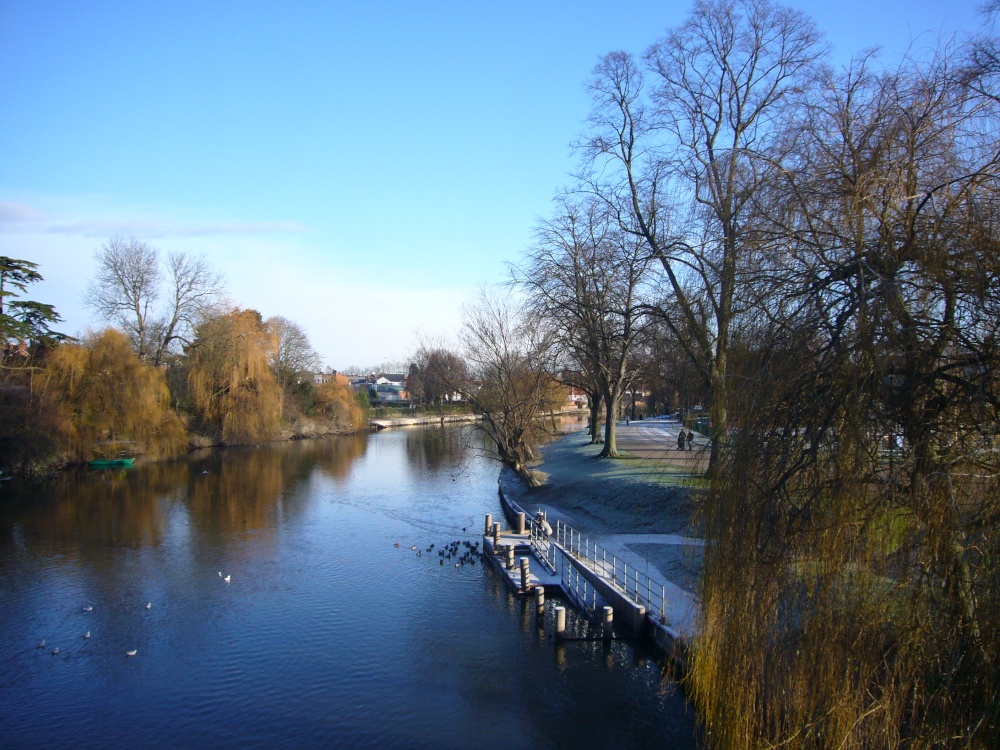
<point x="326" y="633"/>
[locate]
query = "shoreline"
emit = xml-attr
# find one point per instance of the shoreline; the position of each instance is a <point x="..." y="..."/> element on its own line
<point x="640" y="507"/>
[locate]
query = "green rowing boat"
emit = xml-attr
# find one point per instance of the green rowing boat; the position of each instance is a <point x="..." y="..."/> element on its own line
<point x="110" y="463"/>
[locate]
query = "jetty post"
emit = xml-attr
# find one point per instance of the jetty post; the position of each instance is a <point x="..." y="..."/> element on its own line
<point x="520" y="522"/>
<point x="489" y="523"/>
<point x="560" y="622"/>
<point x="539" y="601"/>
<point x="609" y="620"/>
<point x="524" y="574"/>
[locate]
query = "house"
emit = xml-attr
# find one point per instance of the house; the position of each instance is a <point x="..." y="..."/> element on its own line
<point x="391" y="378"/>
<point x="319" y="378"/>
<point x="388" y="393"/>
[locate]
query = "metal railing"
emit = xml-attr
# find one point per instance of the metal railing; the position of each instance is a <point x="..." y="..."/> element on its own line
<point x="631" y="581"/>
<point x="544" y="549"/>
<point x="580" y="591"/>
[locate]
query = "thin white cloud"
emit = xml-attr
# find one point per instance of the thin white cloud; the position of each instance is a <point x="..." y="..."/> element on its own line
<point x="22" y="218"/>
<point x="19" y="213"/>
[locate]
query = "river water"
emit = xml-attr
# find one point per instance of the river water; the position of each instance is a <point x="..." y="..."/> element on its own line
<point x="326" y="635"/>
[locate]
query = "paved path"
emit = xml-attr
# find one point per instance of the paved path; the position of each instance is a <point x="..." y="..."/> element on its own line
<point x="657" y="439"/>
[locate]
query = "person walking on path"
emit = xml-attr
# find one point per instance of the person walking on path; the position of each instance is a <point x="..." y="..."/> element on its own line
<point x="690" y="439"/>
<point x="680" y="440"/>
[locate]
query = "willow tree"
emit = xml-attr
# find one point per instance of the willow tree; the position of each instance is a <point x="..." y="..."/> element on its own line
<point x="108" y="399"/>
<point x="852" y="572"/>
<point x="231" y="383"/>
<point x="339" y="403"/>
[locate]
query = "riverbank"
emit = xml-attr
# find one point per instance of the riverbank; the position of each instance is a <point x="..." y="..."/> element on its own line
<point x="433" y="419"/>
<point x="641" y="507"/>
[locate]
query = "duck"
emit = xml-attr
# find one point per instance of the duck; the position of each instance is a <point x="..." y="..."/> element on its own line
<point x="227" y="578"/>
<point x="87" y="608"/>
<point x="396" y="544"/>
<point x="133" y="652"/>
<point x="55" y="651"/>
<point x="86" y="635"/>
<point x="41" y="644"/>
<point x="149" y="605"/>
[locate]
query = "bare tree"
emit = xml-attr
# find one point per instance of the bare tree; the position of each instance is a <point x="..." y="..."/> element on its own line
<point x="293" y="355"/>
<point x="129" y="286"/>
<point x="126" y="288"/>
<point x="681" y="161"/>
<point x="584" y="277"/>
<point x="195" y="290"/>
<point x="436" y="375"/>
<point x="511" y="379"/>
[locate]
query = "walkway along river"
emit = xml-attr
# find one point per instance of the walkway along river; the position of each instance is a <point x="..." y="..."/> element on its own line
<point x="268" y="605"/>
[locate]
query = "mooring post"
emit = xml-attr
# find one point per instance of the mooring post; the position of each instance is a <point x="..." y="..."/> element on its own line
<point x="520" y="522"/>
<point x="560" y="622"/>
<point x="489" y="523"/>
<point x="496" y="534"/>
<point x="539" y="601"/>
<point x="609" y="621"/>
<point x="509" y="552"/>
<point x="524" y="574"/>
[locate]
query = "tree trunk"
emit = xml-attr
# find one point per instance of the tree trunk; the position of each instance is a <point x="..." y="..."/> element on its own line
<point x="594" y="428"/>
<point x="613" y="400"/>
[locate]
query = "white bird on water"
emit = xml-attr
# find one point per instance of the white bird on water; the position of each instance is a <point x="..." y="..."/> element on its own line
<point x="55" y="651"/>
<point x="149" y="605"/>
<point x="133" y="652"/>
<point x="226" y="579"/>
<point x="86" y="635"/>
<point x="87" y="608"/>
<point x="41" y="643"/>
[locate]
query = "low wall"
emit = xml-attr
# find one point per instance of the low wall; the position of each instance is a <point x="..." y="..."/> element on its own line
<point x="382" y="424"/>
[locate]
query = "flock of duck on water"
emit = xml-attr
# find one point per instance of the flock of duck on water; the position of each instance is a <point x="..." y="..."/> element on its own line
<point x="451" y="550"/>
<point x="149" y="605"/>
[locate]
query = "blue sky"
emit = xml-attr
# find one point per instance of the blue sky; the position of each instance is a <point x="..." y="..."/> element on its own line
<point x="360" y="168"/>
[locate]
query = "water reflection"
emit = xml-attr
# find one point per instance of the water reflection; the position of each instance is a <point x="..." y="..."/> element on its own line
<point x="328" y="633"/>
<point x="237" y="490"/>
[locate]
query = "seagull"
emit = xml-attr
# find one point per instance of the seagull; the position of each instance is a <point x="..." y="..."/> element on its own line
<point x="149" y="605"/>
<point x="226" y="579"/>
<point x="87" y="608"/>
<point x="55" y="651"/>
<point x="133" y="652"/>
<point x="41" y="643"/>
<point x="86" y="635"/>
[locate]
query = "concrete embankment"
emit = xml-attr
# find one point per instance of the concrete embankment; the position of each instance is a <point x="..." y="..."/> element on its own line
<point x="623" y="526"/>
<point x="382" y="424"/>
